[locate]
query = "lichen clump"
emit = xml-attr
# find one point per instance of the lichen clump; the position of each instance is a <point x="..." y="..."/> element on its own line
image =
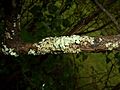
<point x="7" y="35"/>
<point x="86" y="40"/>
<point x="31" y="52"/>
<point x="9" y="51"/>
<point x="112" y="45"/>
<point x="65" y="44"/>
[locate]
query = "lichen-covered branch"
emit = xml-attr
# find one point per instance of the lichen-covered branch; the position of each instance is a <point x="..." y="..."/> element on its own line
<point x="13" y="44"/>
<point x="65" y="44"/>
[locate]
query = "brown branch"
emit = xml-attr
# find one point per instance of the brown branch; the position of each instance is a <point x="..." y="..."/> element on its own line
<point x="94" y="30"/>
<point x="75" y="29"/>
<point x="63" y="44"/>
<point x="108" y="14"/>
<point x="108" y="76"/>
<point x="13" y="44"/>
<point x="97" y="29"/>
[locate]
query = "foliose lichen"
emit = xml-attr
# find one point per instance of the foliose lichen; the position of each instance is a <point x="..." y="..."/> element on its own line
<point x="9" y="51"/>
<point x="100" y="39"/>
<point x="8" y="36"/>
<point x="66" y="44"/>
<point x="112" y="45"/>
<point x="31" y="51"/>
<point x="85" y="40"/>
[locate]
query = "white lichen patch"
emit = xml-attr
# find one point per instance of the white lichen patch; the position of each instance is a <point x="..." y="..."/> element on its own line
<point x="115" y="45"/>
<point x="45" y="46"/>
<point x="9" y="51"/>
<point x="31" y="52"/>
<point x="100" y="39"/>
<point x="65" y="44"/>
<point x="13" y="32"/>
<point x="18" y="17"/>
<point x="6" y="28"/>
<point x="108" y="44"/>
<point x="112" y="45"/>
<point x="86" y="40"/>
<point x="14" y="24"/>
<point x="66" y="40"/>
<point x="7" y="35"/>
<point x="76" y="39"/>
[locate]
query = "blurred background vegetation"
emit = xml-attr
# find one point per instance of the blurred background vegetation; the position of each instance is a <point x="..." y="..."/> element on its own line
<point x="83" y="71"/>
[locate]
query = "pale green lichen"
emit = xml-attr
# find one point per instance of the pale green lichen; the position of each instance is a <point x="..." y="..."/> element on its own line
<point x="65" y="44"/>
<point x="115" y="45"/>
<point x="108" y="44"/>
<point x="62" y="42"/>
<point x="100" y="39"/>
<point x="112" y="45"/>
<point x="7" y="35"/>
<point x="9" y="51"/>
<point x="45" y="46"/>
<point x="86" y="40"/>
<point x="31" y="52"/>
<point x="14" y="24"/>
<point x="13" y="32"/>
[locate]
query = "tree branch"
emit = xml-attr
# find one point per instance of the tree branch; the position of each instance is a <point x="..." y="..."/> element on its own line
<point x="84" y="21"/>
<point x="64" y="44"/>
<point x="13" y="45"/>
<point x="108" y="14"/>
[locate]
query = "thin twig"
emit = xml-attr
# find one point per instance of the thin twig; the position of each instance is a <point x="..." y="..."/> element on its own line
<point x="108" y="14"/>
